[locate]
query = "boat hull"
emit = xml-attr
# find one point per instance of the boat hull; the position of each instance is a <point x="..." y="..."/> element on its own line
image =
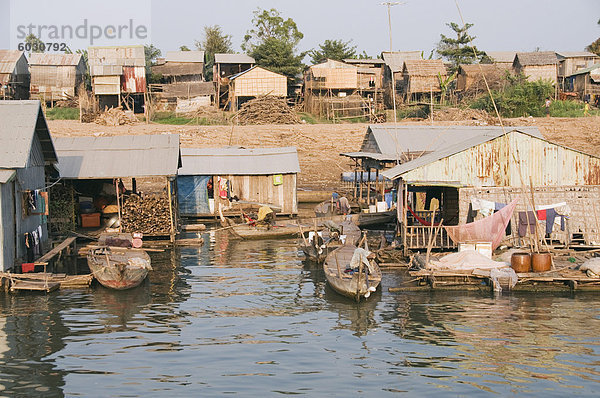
<point x="119" y="269"/>
<point x="349" y="285"/>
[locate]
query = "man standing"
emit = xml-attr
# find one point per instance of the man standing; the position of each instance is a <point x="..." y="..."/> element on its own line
<point x="547" y="106"/>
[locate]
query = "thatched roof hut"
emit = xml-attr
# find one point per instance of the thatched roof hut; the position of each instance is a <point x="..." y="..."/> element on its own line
<point x="423" y="75"/>
<point x="470" y="77"/>
<point x="538" y="65"/>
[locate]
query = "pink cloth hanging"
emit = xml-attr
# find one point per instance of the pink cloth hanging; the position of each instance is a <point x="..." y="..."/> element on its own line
<point x="488" y="229"/>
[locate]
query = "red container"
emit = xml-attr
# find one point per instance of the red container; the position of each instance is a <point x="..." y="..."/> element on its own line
<point x="521" y="262"/>
<point x="541" y="262"/>
<point x="91" y="220"/>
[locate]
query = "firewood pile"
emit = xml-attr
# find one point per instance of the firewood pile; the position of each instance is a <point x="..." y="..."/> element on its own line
<point x="267" y="110"/>
<point x="60" y="207"/>
<point x="148" y="214"/>
<point x="115" y="117"/>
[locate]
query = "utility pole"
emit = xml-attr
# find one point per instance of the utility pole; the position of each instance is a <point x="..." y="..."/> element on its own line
<point x="389" y="4"/>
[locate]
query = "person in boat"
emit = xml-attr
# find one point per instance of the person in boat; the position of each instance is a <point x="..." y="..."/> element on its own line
<point x="365" y="257"/>
<point x="266" y="216"/>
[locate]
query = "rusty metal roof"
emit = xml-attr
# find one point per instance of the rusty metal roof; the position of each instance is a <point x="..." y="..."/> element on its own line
<point x="54" y="59"/>
<point x="21" y="121"/>
<point x="9" y="59"/>
<point x="234" y="59"/>
<point x="239" y="161"/>
<point x="118" y="156"/>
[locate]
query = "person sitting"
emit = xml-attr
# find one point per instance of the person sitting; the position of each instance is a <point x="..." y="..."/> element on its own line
<point x="266" y="216"/>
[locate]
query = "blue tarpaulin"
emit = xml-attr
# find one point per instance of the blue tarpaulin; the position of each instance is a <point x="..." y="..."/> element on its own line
<point x="192" y="194"/>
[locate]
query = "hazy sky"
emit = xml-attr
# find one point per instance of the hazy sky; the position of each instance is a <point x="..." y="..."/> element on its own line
<point x="521" y="25"/>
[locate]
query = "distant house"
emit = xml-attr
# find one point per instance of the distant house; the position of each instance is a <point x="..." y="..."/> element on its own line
<point x="56" y="76"/>
<point x="370" y="73"/>
<point x="422" y="76"/>
<point x="392" y="74"/>
<point x="470" y="77"/>
<point x="22" y="180"/>
<point x="226" y="65"/>
<point x="210" y="177"/>
<point x="503" y="59"/>
<point x="570" y="62"/>
<point x="332" y="75"/>
<point x="255" y="82"/>
<point x="536" y="65"/>
<point x="183" y="82"/>
<point x="585" y="82"/>
<point x="14" y="75"/>
<point x="118" y="76"/>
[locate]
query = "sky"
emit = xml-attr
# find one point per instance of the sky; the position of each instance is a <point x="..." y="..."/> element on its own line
<point x="499" y="25"/>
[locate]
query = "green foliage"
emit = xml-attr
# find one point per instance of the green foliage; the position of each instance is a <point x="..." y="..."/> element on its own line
<point x="151" y="53"/>
<point x="520" y="98"/>
<point x="214" y="42"/>
<point x="273" y="43"/>
<point x="333" y="49"/>
<point x="459" y="50"/>
<point x="62" y="113"/>
<point x="570" y="109"/>
<point x="184" y="48"/>
<point x="411" y="112"/>
<point x="594" y="47"/>
<point x="37" y="45"/>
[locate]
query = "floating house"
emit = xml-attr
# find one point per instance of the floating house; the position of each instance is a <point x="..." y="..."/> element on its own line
<point x="23" y="200"/>
<point x="538" y="65"/>
<point x="225" y="177"/>
<point x="107" y="173"/>
<point x="56" y="76"/>
<point x="118" y="76"/>
<point x="253" y="83"/>
<point x="14" y="75"/>
<point x="497" y="167"/>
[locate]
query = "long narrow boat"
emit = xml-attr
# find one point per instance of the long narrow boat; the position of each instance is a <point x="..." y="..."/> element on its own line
<point x="316" y="249"/>
<point x="355" y="285"/>
<point x="247" y="231"/>
<point x="363" y="220"/>
<point x="119" y="268"/>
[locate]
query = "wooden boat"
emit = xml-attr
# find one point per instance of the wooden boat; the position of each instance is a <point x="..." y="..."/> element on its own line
<point x="362" y="220"/>
<point x="248" y="231"/>
<point x="355" y="285"/>
<point x="118" y="268"/>
<point x="316" y="249"/>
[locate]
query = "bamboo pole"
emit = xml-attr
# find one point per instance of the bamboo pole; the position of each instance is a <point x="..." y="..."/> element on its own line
<point x="172" y="237"/>
<point x="337" y="263"/>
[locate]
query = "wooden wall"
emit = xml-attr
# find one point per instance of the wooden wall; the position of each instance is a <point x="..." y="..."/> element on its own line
<point x="537" y="72"/>
<point x="259" y="81"/>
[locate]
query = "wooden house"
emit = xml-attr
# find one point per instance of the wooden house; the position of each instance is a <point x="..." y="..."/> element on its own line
<point x="226" y="65"/>
<point x="255" y="82"/>
<point x="570" y="62"/>
<point x="586" y="83"/>
<point x="538" y="65"/>
<point x="23" y="198"/>
<point x="232" y="177"/>
<point x="332" y="75"/>
<point x="499" y="168"/>
<point x="56" y="76"/>
<point x="470" y="78"/>
<point x="182" y="82"/>
<point x="122" y="178"/>
<point x="422" y="76"/>
<point x="118" y="76"/>
<point x="370" y="73"/>
<point x="14" y="75"/>
<point x="392" y="71"/>
<point x="503" y="59"/>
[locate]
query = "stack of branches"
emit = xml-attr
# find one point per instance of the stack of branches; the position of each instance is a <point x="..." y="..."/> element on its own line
<point x="68" y="102"/>
<point x="115" y="117"/>
<point x="148" y="214"/>
<point x="478" y="116"/>
<point x="267" y="110"/>
<point x="61" y="208"/>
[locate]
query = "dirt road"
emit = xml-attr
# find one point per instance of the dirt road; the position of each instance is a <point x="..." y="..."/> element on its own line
<point x="319" y="145"/>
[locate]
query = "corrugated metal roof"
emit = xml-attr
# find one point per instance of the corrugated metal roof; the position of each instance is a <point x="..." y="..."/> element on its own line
<point x="20" y="120"/>
<point x="586" y="70"/>
<point x="410" y="139"/>
<point x="6" y="175"/>
<point x="239" y="161"/>
<point x="117" y="55"/>
<point x="455" y="148"/>
<point x="537" y="58"/>
<point x="576" y="54"/>
<point x="370" y="61"/>
<point x="332" y="64"/>
<point x="54" y="59"/>
<point x="8" y="60"/>
<point x="118" y="156"/>
<point x="234" y="59"/>
<point x="502" y="56"/>
<point x="395" y="60"/>
<point x="185" y="56"/>
<point x="424" y="67"/>
<point x="370" y="155"/>
<point x="248" y="70"/>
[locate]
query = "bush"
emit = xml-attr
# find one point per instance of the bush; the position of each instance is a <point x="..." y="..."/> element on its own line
<point x="62" y="113"/>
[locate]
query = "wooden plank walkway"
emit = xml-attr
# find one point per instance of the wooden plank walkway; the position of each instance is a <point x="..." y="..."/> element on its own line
<point x="30" y="285"/>
<point x="55" y="251"/>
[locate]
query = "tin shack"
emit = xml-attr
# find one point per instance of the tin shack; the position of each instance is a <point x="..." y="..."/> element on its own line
<point x="23" y="197"/>
<point x="233" y="176"/>
<point x="56" y="76"/>
<point x="127" y="183"/>
<point x="14" y="75"/>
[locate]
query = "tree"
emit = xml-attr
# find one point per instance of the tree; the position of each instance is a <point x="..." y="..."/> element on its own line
<point x="594" y="47"/>
<point x="333" y="49"/>
<point x="459" y="50"/>
<point x="273" y="43"/>
<point x="151" y="53"/>
<point x="35" y="44"/>
<point x="184" y="48"/>
<point x="214" y="42"/>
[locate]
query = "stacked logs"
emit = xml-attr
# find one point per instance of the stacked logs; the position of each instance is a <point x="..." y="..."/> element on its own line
<point x="267" y="110"/>
<point x="148" y="214"/>
<point x="61" y="208"/>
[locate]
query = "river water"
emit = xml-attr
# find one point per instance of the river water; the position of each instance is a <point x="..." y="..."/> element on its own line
<point x="251" y="319"/>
